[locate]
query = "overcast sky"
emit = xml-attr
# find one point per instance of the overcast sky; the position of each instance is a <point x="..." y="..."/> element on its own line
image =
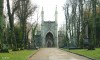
<point x="49" y="9"/>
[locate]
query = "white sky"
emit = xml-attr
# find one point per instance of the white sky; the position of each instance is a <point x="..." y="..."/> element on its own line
<point x="49" y="9"/>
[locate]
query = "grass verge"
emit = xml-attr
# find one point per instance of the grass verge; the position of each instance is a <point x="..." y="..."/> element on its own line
<point x="89" y="53"/>
<point x="17" y="55"/>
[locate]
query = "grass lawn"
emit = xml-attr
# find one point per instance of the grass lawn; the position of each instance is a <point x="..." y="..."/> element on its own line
<point x="17" y="55"/>
<point x="90" y="53"/>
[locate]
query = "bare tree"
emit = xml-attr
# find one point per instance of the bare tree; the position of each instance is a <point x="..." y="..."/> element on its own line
<point x="70" y="21"/>
<point x="11" y="20"/>
<point x="23" y="13"/>
<point x="66" y="11"/>
<point x="81" y="34"/>
<point x="75" y="23"/>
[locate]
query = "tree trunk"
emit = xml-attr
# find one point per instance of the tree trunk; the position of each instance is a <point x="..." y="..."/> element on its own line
<point x="11" y="21"/>
<point x="93" y="30"/>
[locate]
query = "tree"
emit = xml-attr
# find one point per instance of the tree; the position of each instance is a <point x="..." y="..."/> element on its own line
<point x="81" y="20"/>
<point x="93" y="25"/>
<point x="98" y="24"/>
<point x="33" y="34"/>
<point x="66" y="11"/>
<point x="11" y="21"/>
<point x="3" y="42"/>
<point x="93" y="30"/>
<point x="85" y="24"/>
<point x="18" y="35"/>
<point x="75" y="23"/>
<point x="71" y="22"/>
<point x="1" y="19"/>
<point x="23" y="13"/>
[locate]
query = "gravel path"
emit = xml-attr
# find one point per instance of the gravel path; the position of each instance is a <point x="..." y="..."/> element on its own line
<point x="55" y="54"/>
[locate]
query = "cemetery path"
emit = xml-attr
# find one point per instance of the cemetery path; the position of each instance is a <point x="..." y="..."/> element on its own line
<point x="55" y="54"/>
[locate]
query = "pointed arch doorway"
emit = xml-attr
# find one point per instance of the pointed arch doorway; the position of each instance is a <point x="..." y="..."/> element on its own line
<point x="49" y="40"/>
